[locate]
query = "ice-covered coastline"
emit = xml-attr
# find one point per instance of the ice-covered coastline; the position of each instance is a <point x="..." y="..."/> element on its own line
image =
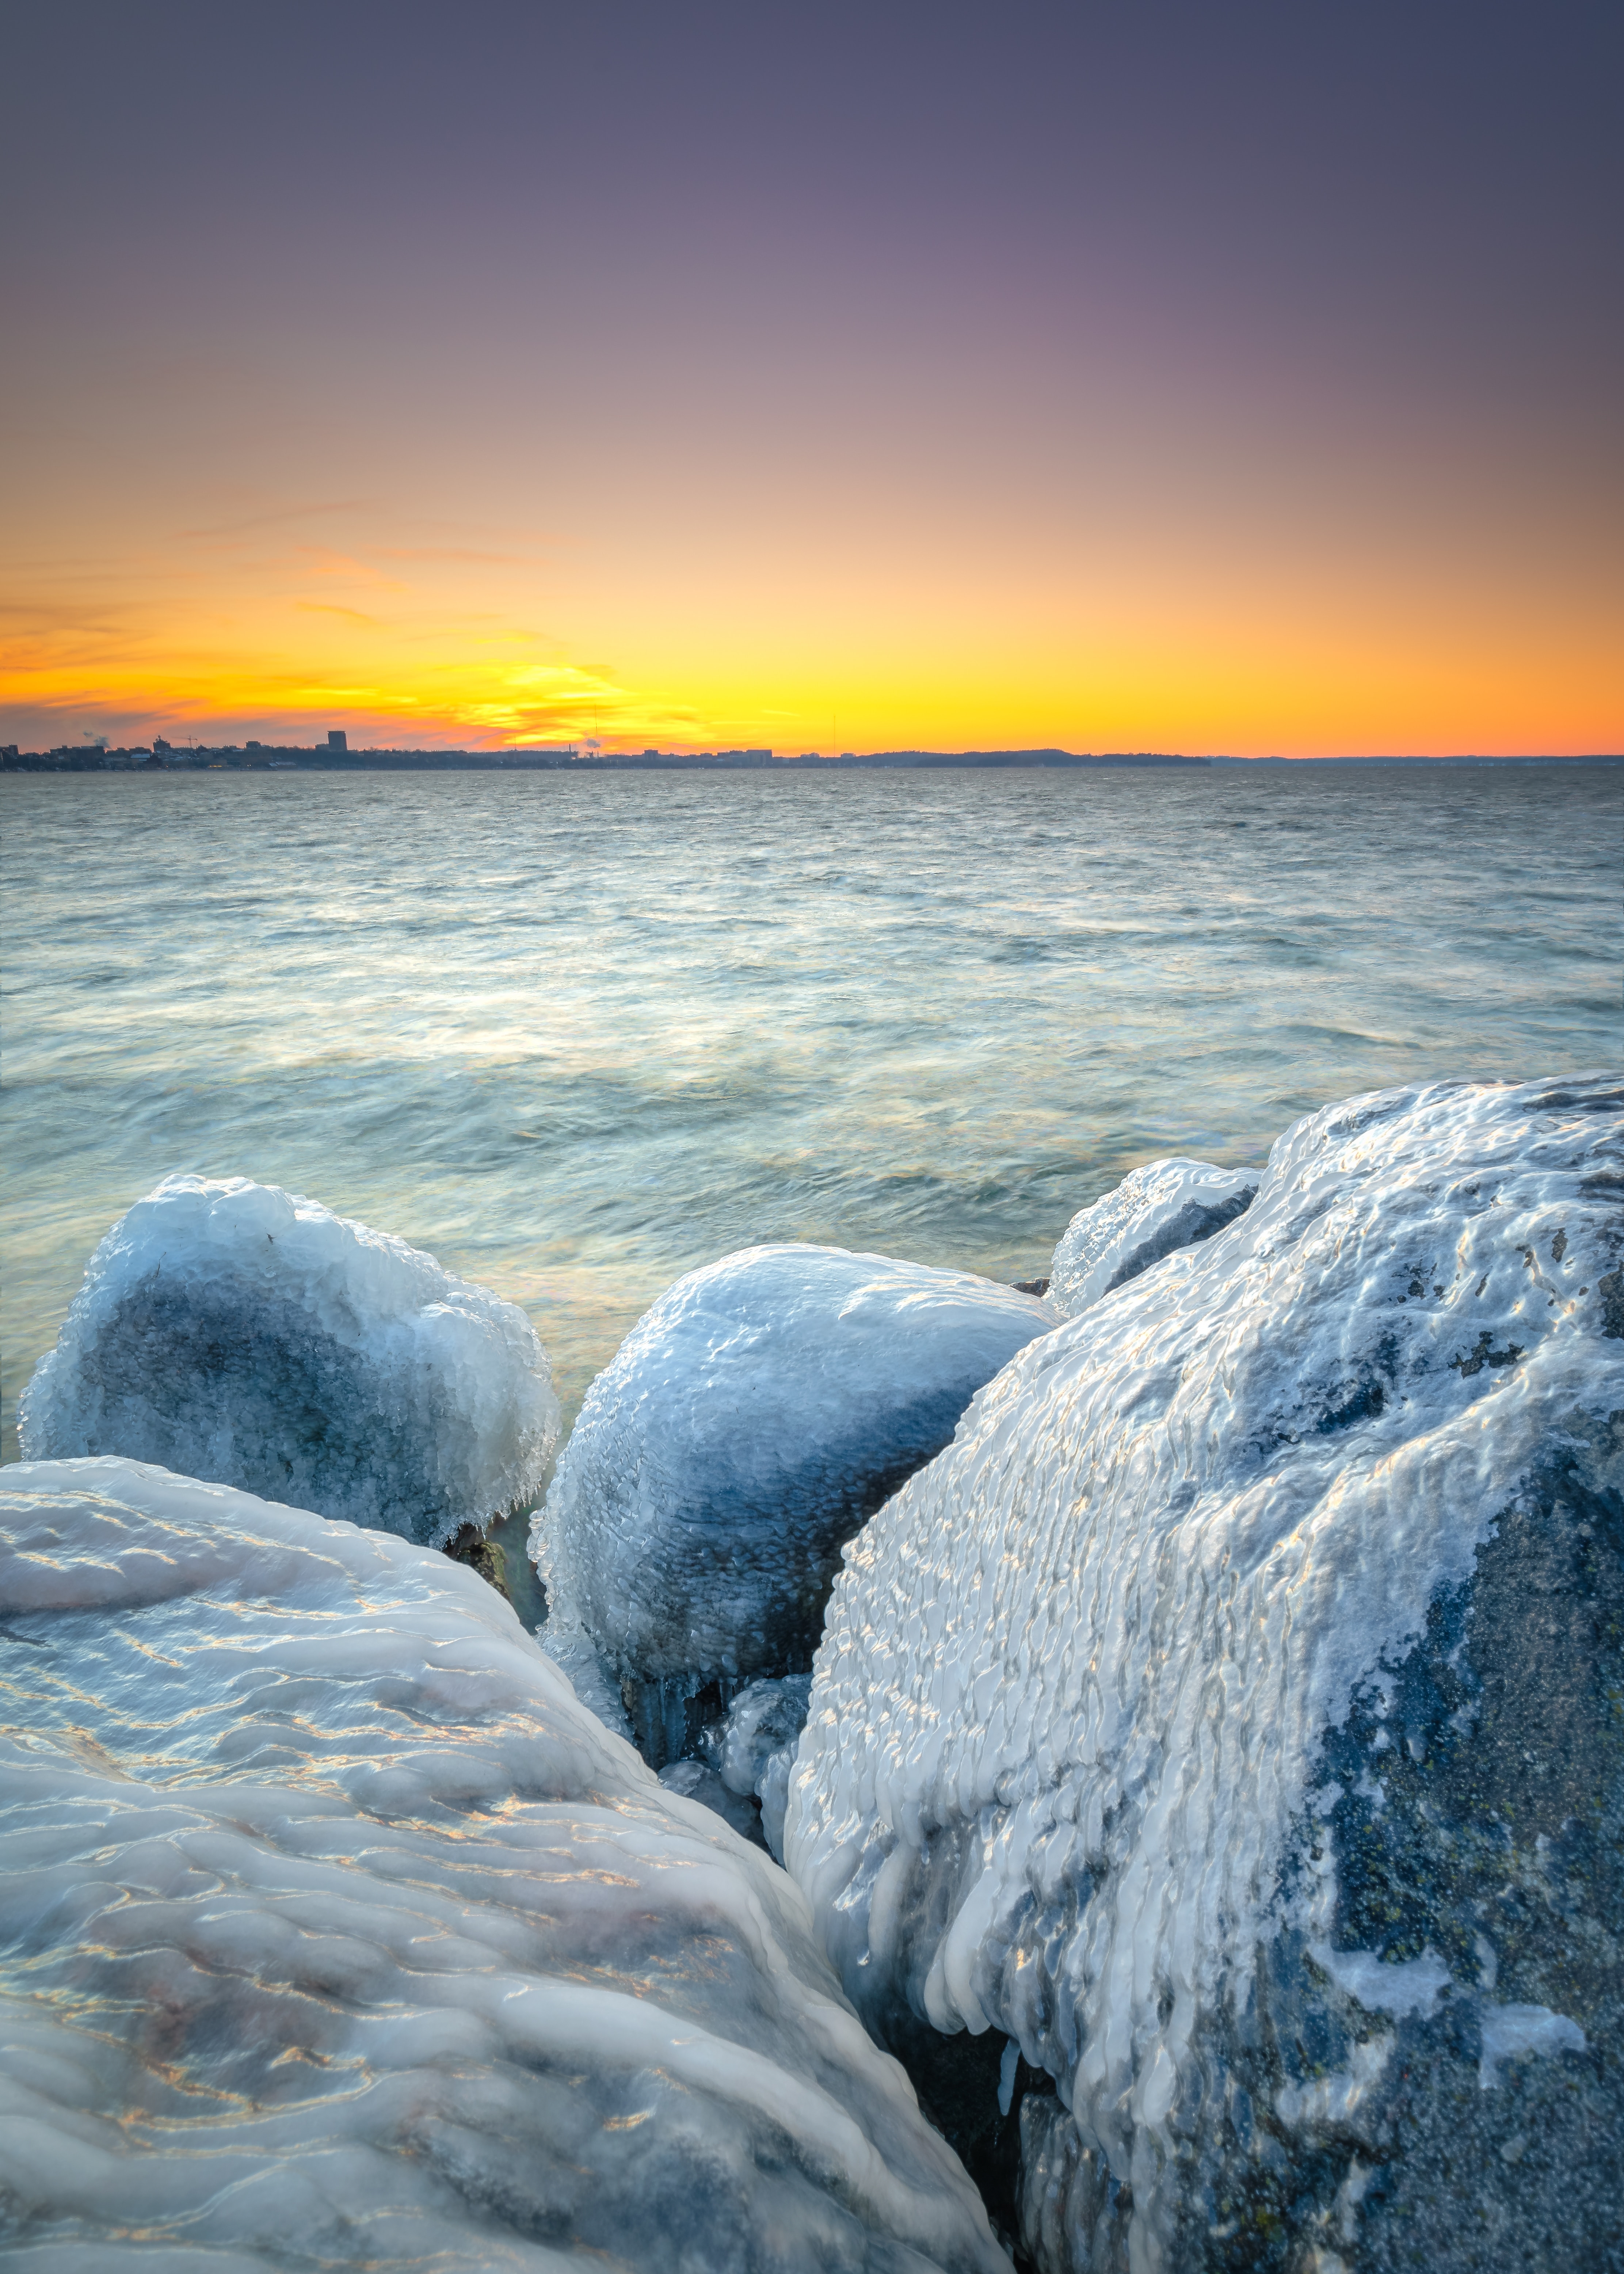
<point x="1211" y="1785"/>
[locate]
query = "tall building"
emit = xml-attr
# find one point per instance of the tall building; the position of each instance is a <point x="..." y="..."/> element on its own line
<point x="337" y="739"/>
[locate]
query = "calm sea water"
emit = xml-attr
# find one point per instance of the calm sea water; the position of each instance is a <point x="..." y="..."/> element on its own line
<point x="577" y="1035"/>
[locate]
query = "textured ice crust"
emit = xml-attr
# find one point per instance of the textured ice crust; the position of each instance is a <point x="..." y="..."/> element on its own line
<point x="745" y="1427"/>
<point x="1078" y="1677"/>
<point x="238" y="1333"/>
<point x="334" y="1931"/>
<point x="1156" y="1210"/>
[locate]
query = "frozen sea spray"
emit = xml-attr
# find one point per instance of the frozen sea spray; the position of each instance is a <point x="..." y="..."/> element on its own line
<point x="747" y="1425"/>
<point x="334" y="1931"/>
<point x="238" y="1333"/>
<point x="1228" y="1719"/>
<point x="1155" y="1211"/>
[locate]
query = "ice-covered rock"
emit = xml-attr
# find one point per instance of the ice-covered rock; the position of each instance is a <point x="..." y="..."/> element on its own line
<point x="747" y="1426"/>
<point x="235" y="1332"/>
<point x="696" y="1780"/>
<point x="1155" y="1210"/>
<point x="1230" y="1720"/>
<point x="333" y="1931"/>
<point x="753" y="1748"/>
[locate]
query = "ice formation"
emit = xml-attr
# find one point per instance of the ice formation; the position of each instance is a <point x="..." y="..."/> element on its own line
<point x="336" y="1933"/>
<point x="695" y="1781"/>
<point x="1156" y="1210"/>
<point x="1274" y="1601"/>
<point x="747" y="1426"/>
<point x="754" y="1748"/>
<point x="238" y="1333"/>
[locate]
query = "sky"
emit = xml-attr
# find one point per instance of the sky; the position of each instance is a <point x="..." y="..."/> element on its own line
<point x="1228" y="378"/>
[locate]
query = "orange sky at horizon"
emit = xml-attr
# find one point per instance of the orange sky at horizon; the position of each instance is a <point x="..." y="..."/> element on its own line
<point x="263" y="619"/>
<point x="1179" y="573"/>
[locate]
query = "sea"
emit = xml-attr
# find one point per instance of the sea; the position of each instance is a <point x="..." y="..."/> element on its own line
<point x="575" y="1034"/>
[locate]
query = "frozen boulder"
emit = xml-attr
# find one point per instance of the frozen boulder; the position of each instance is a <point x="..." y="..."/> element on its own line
<point x="1156" y="1210"/>
<point x="747" y="1425"/>
<point x="1224" y="1733"/>
<point x="333" y="1931"/>
<point x="238" y="1333"/>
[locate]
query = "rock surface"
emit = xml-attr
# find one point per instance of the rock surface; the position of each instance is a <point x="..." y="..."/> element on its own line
<point x="1153" y="1212"/>
<point x="1233" y="1721"/>
<point x="746" y="1429"/>
<point x="238" y="1333"/>
<point x="335" y="1933"/>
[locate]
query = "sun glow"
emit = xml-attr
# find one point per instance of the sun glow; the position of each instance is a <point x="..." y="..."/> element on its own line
<point x="801" y="647"/>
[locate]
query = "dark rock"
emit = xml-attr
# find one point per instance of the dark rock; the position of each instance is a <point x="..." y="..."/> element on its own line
<point x="1477" y="1841"/>
<point x="469" y="1546"/>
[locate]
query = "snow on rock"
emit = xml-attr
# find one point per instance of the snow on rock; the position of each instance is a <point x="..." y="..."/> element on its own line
<point x="333" y="1931"/>
<point x="747" y="1426"/>
<point x="1239" y="1676"/>
<point x="1156" y="1210"/>
<point x="238" y="1333"/>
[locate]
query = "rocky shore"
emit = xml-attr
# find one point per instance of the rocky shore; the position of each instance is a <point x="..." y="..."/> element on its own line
<point x="1187" y="1696"/>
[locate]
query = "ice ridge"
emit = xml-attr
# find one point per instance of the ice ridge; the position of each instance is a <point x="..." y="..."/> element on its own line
<point x="238" y="1333"/>
<point x="333" y="1931"/>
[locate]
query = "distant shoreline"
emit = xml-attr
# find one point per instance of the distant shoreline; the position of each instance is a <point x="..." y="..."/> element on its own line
<point x="269" y="759"/>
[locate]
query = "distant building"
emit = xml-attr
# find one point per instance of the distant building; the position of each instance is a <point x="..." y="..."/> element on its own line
<point x="337" y="739"/>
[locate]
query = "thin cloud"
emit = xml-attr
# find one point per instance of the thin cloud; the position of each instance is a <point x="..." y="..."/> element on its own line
<point x="464" y="555"/>
<point x="278" y="519"/>
<point x="351" y="615"/>
<point x="321" y="561"/>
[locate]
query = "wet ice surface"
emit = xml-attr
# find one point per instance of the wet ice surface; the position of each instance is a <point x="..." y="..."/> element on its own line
<point x="1076" y="1679"/>
<point x="233" y="1331"/>
<point x="1156" y="1210"/>
<point x="336" y="1931"/>
<point x="745" y="1427"/>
